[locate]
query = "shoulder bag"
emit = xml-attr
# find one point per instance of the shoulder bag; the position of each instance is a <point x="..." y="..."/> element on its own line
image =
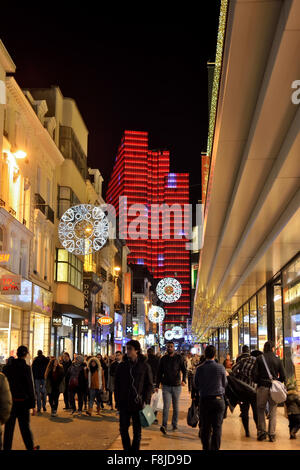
<point x="277" y="390"/>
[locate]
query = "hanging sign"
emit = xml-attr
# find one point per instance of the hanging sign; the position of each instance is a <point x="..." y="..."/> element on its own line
<point x="105" y="320"/>
<point x="4" y="257"/>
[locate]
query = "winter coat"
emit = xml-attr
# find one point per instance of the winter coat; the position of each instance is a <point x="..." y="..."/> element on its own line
<point x="292" y="402"/>
<point x="66" y="366"/>
<point x="112" y="370"/>
<point x="59" y="383"/>
<point x="20" y="380"/>
<point x="238" y="391"/>
<point x="169" y="370"/>
<point x="5" y="399"/>
<point x="153" y="362"/>
<point x="99" y="371"/>
<point x="259" y="371"/>
<point x="76" y="373"/>
<point x="39" y="366"/>
<point x="133" y="384"/>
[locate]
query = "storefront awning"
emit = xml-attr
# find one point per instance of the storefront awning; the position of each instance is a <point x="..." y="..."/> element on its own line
<point x="70" y="311"/>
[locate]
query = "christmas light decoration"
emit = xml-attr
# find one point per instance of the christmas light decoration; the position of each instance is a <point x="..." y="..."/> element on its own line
<point x="169" y="335"/>
<point x="156" y="314"/>
<point x="168" y="290"/>
<point x="83" y="229"/>
<point x="177" y="332"/>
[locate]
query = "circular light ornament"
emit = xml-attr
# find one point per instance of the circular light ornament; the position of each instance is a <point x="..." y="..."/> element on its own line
<point x="169" y="335"/>
<point x="168" y="290"/>
<point x="177" y="332"/>
<point x="83" y="229"/>
<point x="156" y="314"/>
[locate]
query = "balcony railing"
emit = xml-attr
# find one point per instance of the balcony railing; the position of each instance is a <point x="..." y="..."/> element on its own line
<point x="40" y="203"/>
<point x="12" y="211"/>
<point x="2" y="203"/>
<point x="50" y="214"/>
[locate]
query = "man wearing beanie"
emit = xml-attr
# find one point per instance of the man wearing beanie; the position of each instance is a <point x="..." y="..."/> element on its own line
<point x="76" y="380"/>
<point x="20" y="381"/>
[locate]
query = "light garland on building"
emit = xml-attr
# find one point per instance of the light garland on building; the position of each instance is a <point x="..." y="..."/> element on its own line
<point x="168" y="290"/>
<point x="156" y="314"/>
<point x="83" y="229"/>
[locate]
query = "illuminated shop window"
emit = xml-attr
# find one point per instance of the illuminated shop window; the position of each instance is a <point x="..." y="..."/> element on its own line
<point x="68" y="268"/>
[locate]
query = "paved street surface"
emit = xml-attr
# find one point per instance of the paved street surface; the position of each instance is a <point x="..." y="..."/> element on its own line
<point x="97" y="433"/>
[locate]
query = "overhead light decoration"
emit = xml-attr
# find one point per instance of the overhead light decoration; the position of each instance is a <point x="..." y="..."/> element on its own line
<point x="177" y="332"/>
<point x="156" y="314"/>
<point x="168" y="290"/>
<point x="83" y="229"/>
<point x="169" y="335"/>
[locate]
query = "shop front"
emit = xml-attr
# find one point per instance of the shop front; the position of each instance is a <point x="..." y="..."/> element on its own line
<point x="40" y="321"/>
<point x="14" y="310"/>
<point x="118" y="332"/>
<point x="68" y="330"/>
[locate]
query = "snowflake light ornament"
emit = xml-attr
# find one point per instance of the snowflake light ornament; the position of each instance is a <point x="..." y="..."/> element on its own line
<point x="168" y="290"/>
<point x="156" y="314"/>
<point x="169" y="335"/>
<point x="83" y="229"/>
<point x="177" y="332"/>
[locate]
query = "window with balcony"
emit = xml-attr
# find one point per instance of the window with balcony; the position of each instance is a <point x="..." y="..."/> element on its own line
<point x="68" y="268"/>
<point x="66" y="199"/>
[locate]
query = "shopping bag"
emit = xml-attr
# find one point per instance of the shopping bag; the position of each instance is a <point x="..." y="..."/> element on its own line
<point x="147" y="416"/>
<point x="104" y="396"/>
<point x="157" y="403"/>
<point x="193" y="415"/>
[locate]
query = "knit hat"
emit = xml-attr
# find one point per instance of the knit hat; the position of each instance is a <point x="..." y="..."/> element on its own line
<point x="80" y="359"/>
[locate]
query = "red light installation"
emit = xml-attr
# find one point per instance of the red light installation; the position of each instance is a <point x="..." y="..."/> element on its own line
<point x="144" y="176"/>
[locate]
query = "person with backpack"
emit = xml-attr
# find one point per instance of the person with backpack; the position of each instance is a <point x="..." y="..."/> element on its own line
<point x="77" y="383"/>
<point x="242" y="370"/>
<point x="39" y="366"/>
<point x="265" y="364"/>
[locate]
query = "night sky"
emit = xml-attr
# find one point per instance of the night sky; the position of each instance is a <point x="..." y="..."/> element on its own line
<point x="145" y="73"/>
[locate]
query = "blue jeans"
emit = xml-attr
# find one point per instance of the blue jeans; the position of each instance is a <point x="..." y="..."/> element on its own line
<point x="40" y="389"/>
<point x="171" y="394"/>
<point x="94" y="394"/>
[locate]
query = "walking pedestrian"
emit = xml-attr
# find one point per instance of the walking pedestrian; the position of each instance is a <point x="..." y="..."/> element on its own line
<point x="228" y="362"/>
<point x="133" y="387"/>
<point x="261" y="378"/>
<point x="242" y="370"/>
<point x="55" y="383"/>
<point x="112" y="376"/>
<point x="292" y="405"/>
<point x="39" y="366"/>
<point x="5" y="403"/>
<point x="66" y="363"/>
<point x="77" y="383"/>
<point x="96" y="383"/>
<point x="210" y="380"/>
<point x="189" y="366"/>
<point x="19" y="376"/>
<point x="153" y="362"/>
<point x="171" y="367"/>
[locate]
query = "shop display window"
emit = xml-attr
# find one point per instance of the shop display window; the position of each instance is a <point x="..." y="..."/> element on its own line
<point x="291" y="306"/>
<point x="253" y="324"/>
<point x="241" y="330"/>
<point x="262" y="318"/>
<point x="235" y="337"/>
<point x="246" y="321"/>
<point x="278" y="321"/>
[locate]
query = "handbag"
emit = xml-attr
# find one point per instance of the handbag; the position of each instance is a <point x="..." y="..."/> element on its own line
<point x="147" y="416"/>
<point x="104" y="396"/>
<point x="193" y="415"/>
<point x="277" y="390"/>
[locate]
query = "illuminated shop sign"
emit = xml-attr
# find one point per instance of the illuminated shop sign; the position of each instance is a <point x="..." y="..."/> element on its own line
<point x="10" y="285"/>
<point x="4" y="257"/>
<point x="84" y="328"/>
<point x="135" y="331"/>
<point x="105" y="320"/>
<point x="57" y="321"/>
<point x="42" y="300"/>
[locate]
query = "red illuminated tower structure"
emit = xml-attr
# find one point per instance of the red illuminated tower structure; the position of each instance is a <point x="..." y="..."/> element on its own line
<point x="143" y="176"/>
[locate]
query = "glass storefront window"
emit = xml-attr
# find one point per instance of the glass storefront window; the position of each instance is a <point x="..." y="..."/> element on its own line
<point x="253" y="324"/>
<point x="262" y="318"/>
<point x="241" y="330"/>
<point x="278" y="321"/>
<point x="246" y="324"/>
<point x="235" y="337"/>
<point x="291" y="306"/>
<point x="10" y="332"/>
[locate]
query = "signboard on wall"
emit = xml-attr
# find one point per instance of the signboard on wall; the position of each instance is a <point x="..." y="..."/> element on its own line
<point x="4" y="257"/>
<point x="10" y="285"/>
<point x="42" y="300"/>
<point x="127" y="288"/>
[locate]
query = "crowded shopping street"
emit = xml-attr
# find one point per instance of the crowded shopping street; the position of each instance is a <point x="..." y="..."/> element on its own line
<point x="149" y="232"/>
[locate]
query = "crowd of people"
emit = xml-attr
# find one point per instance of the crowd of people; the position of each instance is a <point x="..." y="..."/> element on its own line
<point x="126" y="383"/>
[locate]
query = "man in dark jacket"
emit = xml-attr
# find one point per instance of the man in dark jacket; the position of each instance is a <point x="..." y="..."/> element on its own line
<point x="170" y="367"/>
<point x="20" y="380"/>
<point x="242" y="370"/>
<point x="133" y="389"/>
<point x="77" y="383"/>
<point x="5" y="403"/>
<point x="261" y="377"/>
<point x="39" y="366"/>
